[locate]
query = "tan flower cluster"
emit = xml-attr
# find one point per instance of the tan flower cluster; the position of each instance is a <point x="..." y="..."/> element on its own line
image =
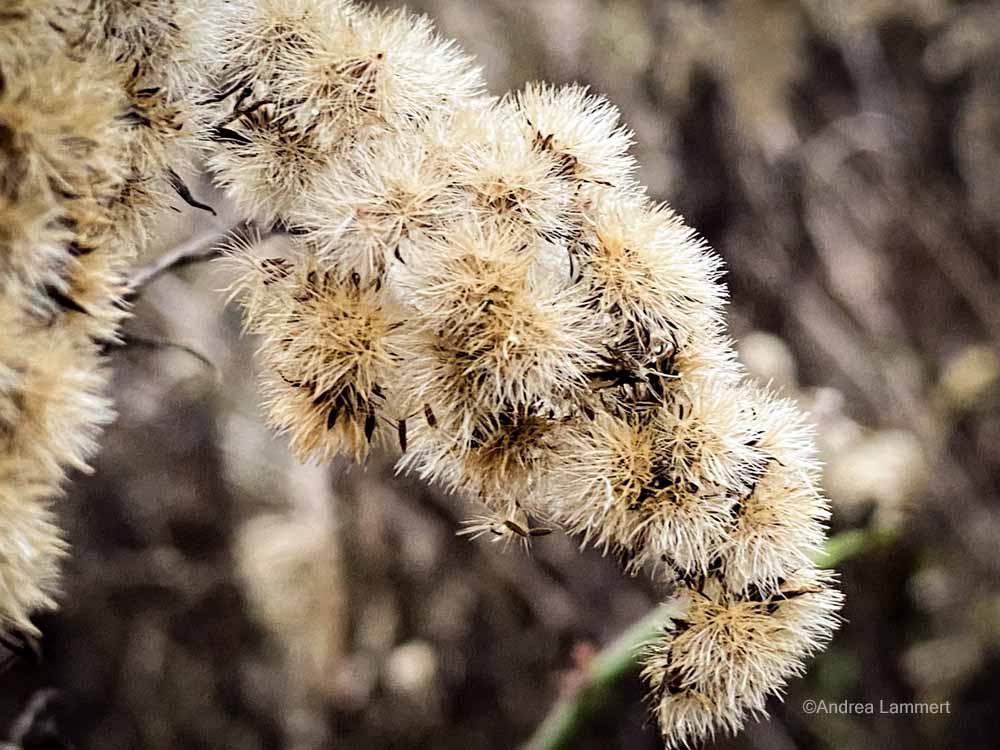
<point x="482" y="282"/>
<point x="90" y="134"/>
<point x="478" y="280"/>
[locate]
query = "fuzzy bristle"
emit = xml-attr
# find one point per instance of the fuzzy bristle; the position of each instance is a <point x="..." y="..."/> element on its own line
<point x="327" y="345"/>
<point x="92" y="126"/>
<point x="720" y="662"/>
<point x="581" y="131"/>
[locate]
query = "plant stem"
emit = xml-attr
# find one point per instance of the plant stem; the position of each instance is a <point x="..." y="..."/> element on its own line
<point x="204" y="247"/>
<point x="620" y="657"/>
<point x="600" y="677"/>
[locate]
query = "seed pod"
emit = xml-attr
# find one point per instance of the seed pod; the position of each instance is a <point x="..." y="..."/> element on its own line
<point x="660" y="484"/>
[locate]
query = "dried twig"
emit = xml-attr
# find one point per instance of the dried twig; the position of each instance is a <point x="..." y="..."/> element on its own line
<point x="196" y="250"/>
<point x="156" y="342"/>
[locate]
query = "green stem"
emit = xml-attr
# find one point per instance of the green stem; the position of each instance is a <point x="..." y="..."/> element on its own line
<point x="620" y="657"/>
<point x="600" y="677"/>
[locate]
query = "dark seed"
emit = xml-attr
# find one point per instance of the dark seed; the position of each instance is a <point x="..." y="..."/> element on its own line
<point x="185" y="193"/>
<point x="331" y="417"/>
<point x="63" y="301"/>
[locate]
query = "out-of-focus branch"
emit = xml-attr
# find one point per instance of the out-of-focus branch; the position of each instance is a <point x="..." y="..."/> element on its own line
<point x="196" y="250"/>
<point x="156" y="342"/>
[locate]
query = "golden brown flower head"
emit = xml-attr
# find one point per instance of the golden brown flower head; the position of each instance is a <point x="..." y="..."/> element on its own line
<point x="327" y="345"/>
<point x="647" y="268"/>
<point x="580" y="131"/>
<point x="171" y="39"/>
<point x="494" y="330"/>
<point x="778" y="524"/>
<point x="301" y="80"/>
<point x="484" y="279"/>
<point x="660" y="485"/>
<point x="512" y="186"/>
<point x="30" y="546"/>
<point x="726" y="656"/>
<point x="378" y="205"/>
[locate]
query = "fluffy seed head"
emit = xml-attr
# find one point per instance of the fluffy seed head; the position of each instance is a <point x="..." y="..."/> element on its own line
<point x="159" y="127"/>
<point x="377" y="206"/>
<point x="658" y="485"/>
<point x="54" y="391"/>
<point x="263" y="165"/>
<point x="171" y="38"/>
<point x="32" y="254"/>
<point x="557" y="340"/>
<point x="302" y="80"/>
<point x="580" y="131"/>
<point x="647" y="269"/>
<point x="726" y="656"/>
<point x="384" y="70"/>
<point x="258" y="149"/>
<point x="492" y="332"/>
<point x="61" y="170"/>
<point x="327" y="347"/>
<point x="511" y="185"/>
<point x="638" y="374"/>
<point x="30" y="545"/>
<point x="496" y="455"/>
<point x="58" y="131"/>
<point x="778" y="524"/>
<point x="33" y="31"/>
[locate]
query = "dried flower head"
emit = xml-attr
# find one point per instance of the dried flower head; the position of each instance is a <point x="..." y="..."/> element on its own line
<point x="778" y="524"/>
<point x="494" y="454"/>
<point x="87" y="147"/>
<point x="300" y="80"/>
<point x="661" y="485"/>
<point x="378" y="205"/>
<point x="31" y="546"/>
<point x="512" y="185"/>
<point x="648" y="269"/>
<point x="54" y="390"/>
<point x="484" y="279"/>
<point x="33" y="30"/>
<point x="493" y="331"/>
<point x="172" y="39"/>
<point x="386" y="69"/>
<point x="51" y="409"/>
<point x="327" y="344"/>
<point x="580" y="130"/>
<point x="727" y="655"/>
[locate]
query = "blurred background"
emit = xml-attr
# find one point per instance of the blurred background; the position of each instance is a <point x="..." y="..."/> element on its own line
<point x="844" y="158"/>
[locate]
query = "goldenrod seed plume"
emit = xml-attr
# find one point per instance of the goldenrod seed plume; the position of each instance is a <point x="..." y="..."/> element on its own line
<point x="300" y="81"/>
<point x="481" y="283"/>
<point x="94" y="120"/>
<point x="719" y="663"/>
<point x="580" y="131"/>
<point x="379" y="205"/>
<point x="30" y="546"/>
<point x="327" y="345"/>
